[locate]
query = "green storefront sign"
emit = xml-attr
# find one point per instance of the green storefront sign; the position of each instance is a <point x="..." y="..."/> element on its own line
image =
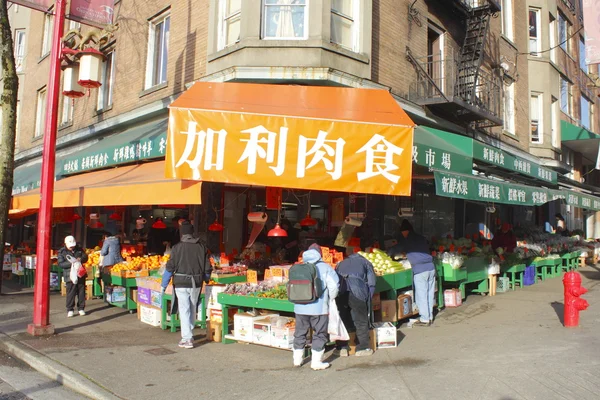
<point x="495" y="156"/>
<point x="443" y="151"/>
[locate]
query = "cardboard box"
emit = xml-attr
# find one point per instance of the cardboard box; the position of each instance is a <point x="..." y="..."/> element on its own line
<point x="217" y="315"/>
<point x="54" y="281"/>
<point x="411" y="293"/>
<point x="389" y="311"/>
<point x="7" y="264"/>
<point x="262" y="331"/>
<point x="405" y="308"/>
<point x="143" y="295"/>
<point x="155" y="299"/>
<point x="243" y="326"/>
<point x="352" y="342"/>
<point x="376" y="302"/>
<point x="30" y="262"/>
<point x="386" y="335"/>
<point x="282" y="338"/>
<point x="211" y="296"/>
<point x="452" y="298"/>
<point x="150" y="315"/>
<point x="115" y="294"/>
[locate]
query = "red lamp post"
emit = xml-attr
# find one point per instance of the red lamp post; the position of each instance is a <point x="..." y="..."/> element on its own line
<point x="41" y="297"/>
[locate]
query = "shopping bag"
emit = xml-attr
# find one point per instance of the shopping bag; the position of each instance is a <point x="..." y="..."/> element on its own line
<point x="168" y="250"/>
<point x="75" y="267"/>
<point x="336" y="328"/>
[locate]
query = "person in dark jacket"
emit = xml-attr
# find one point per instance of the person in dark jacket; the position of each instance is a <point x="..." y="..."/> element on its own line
<point x="417" y="252"/>
<point x="189" y="266"/>
<point x="111" y="251"/>
<point x="357" y="286"/>
<point x="78" y="289"/>
<point x="505" y="239"/>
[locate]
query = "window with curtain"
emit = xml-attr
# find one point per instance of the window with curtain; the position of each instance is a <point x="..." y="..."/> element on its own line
<point x="158" y="50"/>
<point x="230" y="12"/>
<point x="47" y="35"/>
<point x="585" y="113"/>
<point x="564" y="30"/>
<point x="534" y="31"/>
<point x="40" y="115"/>
<point x="285" y="19"/>
<point x="552" y="41"/>
<point x="507" y="19"/>
<point x="536" y="116"/>
<point x="67" y="111"/>
<point x="565" y="96"/>
<point x="582" y="64"/>
<point x="509" y="108"/>
<point x="19" y="49"/>
<point x="105" y="92"/>
<point x="344" y="24"/>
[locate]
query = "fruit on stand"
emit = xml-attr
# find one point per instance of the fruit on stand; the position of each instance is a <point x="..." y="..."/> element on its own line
<point x="263" y="289"/>
<point x="382" y="263"/>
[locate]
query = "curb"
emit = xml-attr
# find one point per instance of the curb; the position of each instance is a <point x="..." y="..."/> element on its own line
<point x="54" y="370"/>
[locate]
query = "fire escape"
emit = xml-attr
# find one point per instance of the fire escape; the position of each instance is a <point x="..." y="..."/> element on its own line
<point x="457" y="88"/>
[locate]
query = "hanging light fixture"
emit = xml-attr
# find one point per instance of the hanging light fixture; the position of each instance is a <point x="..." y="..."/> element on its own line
<point x="76" y="217"/>
<point x="216" y="226"/>
<point x="308" y="220"/>
<point x="278" y="231"/>
<point x="115" y="216"/>
<point x="159" y="224"/>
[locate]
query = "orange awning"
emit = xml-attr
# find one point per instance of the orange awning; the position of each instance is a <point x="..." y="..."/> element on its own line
<point x="142" y="184"/>
<point x="288" y="136"/>
<point x="18" y="214"/>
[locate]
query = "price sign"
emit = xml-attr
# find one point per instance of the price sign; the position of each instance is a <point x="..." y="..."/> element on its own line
<point x="252" y="276"/>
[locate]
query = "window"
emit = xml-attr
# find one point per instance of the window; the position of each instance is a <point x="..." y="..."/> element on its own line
<point x="536" y="114"/>
<point x="285" y="19"/>
<point x="566" y="94"/>
<point x="106" y="90"/>
<point x="535" y="28"/>
<point x="19" y="49"/>
<point x="344" y="23"/>
<point x="509" y="108"/>
<point x="74" y="25"/>
<point x="47" y="36"/>
<point x="435" y="58"/>
<point x="582" y="63"/>
<point x="67" y="111"/>
<point x="552" y="41"/>
<point x="230" y="12"/>
<point x="40" y="115"/>
<point x="507" y="19"/>
<point x="586" y="108"/>
<point x="564" y="31"/>
<point x="554" y="120"/>
<point x="158" y="50"/>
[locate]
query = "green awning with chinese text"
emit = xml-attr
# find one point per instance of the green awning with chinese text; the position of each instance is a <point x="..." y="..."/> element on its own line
<point x="443" y="151"/>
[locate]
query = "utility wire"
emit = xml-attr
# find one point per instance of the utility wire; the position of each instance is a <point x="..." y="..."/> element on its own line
<point x="552" y="48"/>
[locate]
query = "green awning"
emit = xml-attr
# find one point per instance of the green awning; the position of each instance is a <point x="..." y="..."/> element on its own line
<point x="26" y="178"/>
<point x="469" y="187"/>
<point x="141" y="142"/>
<point x="495" y="156"/>
<point x="442" y="150"/>
<point x="580" y="140"/>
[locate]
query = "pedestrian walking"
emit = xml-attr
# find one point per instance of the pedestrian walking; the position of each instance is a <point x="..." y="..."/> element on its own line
<point x="73" y="289"/>
<point x="314" y="315"/>
<point x="357" y="287"/>
<point x="417" y="252"/>
<point x="189" y="266"/>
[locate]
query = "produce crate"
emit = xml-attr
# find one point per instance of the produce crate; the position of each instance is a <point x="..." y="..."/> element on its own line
<point x="454" y="274"/>
<point x="228" y="278"/>
<point x="503" y="285"/>
<point x="118" y="280"/>
<point x="130" y="274"/>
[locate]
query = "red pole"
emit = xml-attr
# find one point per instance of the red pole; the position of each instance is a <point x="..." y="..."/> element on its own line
<point x="41" y="298"/>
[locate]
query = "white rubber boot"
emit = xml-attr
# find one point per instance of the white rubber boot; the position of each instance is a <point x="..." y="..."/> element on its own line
<point x="298" y="356"/>
<point x="316" y="362"/>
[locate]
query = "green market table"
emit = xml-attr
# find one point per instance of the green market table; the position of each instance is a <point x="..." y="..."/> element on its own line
<point x="129" y="284"/>
<point x="474" y="270"/>
<point x="174" y="322"/>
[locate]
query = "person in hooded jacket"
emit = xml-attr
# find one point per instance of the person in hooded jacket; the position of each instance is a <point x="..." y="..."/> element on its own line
<point x="357" y="287"/>
<point x="315" y="315"/>
<point x="73" y="289"/>
<point x="417" y="252"/>
<point x="190" y="267"/>
<point x="111" y="251"/>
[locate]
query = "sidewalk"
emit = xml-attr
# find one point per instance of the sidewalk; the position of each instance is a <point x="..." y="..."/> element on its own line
<point x="511" y="346"/>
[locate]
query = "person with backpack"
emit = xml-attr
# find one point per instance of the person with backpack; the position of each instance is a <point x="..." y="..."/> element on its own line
<point x="311" y="284"/>
<point x="189" y="266"/>
<point x="357" y="287"/>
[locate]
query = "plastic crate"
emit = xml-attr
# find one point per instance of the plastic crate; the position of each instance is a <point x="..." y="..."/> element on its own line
<point x="529" y="276"/>
<point x="503" y="285"/>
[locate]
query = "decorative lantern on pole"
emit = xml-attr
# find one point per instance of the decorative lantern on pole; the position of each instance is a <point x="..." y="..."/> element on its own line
<point x="90" y="63"/>
<point x="71" y="88"/>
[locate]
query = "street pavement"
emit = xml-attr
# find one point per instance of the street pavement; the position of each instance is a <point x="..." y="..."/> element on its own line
<point x="507" y="347"/>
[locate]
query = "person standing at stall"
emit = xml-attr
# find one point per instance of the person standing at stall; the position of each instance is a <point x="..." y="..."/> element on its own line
<point x="73" y="289"/>
<point x="357" y="287"/>
<point x="110" y="252"/>
<point x="190" y="267"/>
<point x="505" y="239"/>
<point x="417" y="252"/>
<point x="561" y="225"/>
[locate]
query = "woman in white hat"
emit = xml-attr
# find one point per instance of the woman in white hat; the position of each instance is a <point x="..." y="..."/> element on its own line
<point x="73" y="289"/>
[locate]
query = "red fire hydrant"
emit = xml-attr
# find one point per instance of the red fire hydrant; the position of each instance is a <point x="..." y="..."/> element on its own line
<point x="573" y="304"/>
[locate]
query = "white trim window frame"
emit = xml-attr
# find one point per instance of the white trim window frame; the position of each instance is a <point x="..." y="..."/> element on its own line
<point x="68" y="109"/>
<point x="289" y="11"/>
<point x="535" y="30"/>
<point x="564" y="31"/>
<point x="507" y="20"/>
<point x="565" y="96"/>
<point x="158" y="49"/>
<point x="509" y="109"/>
<point x="582" y="64"/>
<point x="230" y="13"/>
<point x="536" y="110"/>
<point x="105" y="92"/>
<point x="47" y="34"/>
<point x="585" y="113"/>
<point x="40" y="114"/>
<point x="552" y="33"/>
<point x="19" y="44"/>
<point x="346" y="22"/>
<point x="554" y="121"/>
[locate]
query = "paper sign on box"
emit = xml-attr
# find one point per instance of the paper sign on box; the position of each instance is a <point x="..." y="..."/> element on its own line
<point x="261" y="333"/>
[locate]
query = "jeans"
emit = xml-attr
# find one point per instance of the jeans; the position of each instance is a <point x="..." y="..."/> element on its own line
<point x="424" y="292"/>
<point x="355" y="316"/>
<point x="318" y="323"/>
<point x="187" y="302"/>
<point x="73" y="290"/>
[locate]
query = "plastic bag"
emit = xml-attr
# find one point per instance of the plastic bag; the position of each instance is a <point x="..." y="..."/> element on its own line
<point x="75" y="267"/>
<point x="336" y="328"/>
<point x="168" y="250"/>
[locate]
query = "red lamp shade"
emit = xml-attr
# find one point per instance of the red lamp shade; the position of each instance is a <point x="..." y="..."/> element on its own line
<point x="115" y="217"/>
<point x="308" y="221"/>
<point x="76" y="217"/>
<point x="277" y="232"/>
<point x="216" y="227"/>
<point x="99" y="225"/>
<point x="159" y="224"/>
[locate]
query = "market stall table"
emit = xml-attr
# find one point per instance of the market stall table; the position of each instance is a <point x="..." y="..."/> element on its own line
<point x="174" y="322"/>
<point x="129" y="284"/>
<point x="473" y="270"/>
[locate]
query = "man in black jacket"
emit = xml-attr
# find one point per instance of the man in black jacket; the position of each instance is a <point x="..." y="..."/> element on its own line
<point x="72" y="249"/>
<point x="189" y="266"/>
